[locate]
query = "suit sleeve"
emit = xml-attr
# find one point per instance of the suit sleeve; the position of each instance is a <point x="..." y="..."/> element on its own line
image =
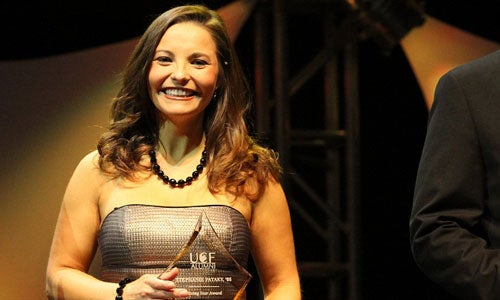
<point x="446" y="235"/>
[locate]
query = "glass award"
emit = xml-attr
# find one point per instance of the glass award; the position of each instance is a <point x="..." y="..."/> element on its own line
<point x="207" y="269"/>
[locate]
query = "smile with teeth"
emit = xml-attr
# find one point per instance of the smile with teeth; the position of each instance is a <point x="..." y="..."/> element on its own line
<point x="178" y="93"/>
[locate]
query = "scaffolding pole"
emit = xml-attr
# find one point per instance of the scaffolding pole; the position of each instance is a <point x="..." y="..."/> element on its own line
<point x="339" y="195"/>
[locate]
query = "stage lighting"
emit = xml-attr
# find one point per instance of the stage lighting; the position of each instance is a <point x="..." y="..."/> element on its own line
<point x="436" y="47"/>
<point x="235" y="15"/>
<point x="431" y="46"/>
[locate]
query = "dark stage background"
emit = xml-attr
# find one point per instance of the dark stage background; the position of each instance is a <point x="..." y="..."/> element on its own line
<point x="393" y="112"/>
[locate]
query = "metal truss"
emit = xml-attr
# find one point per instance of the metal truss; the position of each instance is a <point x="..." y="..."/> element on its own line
<point x="309" y="110"/>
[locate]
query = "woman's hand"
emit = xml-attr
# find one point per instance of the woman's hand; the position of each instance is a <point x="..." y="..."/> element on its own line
<point x="154" y="287"/>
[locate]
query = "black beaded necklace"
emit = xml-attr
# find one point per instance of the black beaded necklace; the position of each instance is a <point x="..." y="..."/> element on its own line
<point x="181" y="182"/>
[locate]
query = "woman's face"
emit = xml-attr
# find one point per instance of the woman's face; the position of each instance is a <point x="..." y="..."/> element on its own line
<point x="184" y="72"/>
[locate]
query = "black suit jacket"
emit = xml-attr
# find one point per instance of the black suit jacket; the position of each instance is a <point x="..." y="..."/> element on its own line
<point x="455" y="219"/>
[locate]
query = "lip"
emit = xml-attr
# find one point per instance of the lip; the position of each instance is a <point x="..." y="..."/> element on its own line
<point x="178" y="93"/>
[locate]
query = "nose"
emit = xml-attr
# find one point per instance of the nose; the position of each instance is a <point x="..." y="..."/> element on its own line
<point x="179" y="74"/>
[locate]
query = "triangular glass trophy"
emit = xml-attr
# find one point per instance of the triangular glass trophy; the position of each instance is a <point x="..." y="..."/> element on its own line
<point x="207" y="269"/>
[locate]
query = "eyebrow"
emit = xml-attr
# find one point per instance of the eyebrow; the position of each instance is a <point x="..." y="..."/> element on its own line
<point x="164" y="51"/>
<point x="192" y="55"/>
<point x="199" y="54"/>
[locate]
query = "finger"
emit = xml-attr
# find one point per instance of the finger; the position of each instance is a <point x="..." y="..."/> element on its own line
<point x="162" y="285"/>
<point x="180" y="293"/>
<point x="170" y="275"/>
<point x="172" y="294"/>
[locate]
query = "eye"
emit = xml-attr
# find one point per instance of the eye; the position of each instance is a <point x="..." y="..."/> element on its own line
<point x="163" y="60"/>
<point x="199" y="63"/>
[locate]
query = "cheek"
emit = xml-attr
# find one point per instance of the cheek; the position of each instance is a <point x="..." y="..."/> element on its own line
<point x="153" y="78"/>
<point x="154" y="84"/>
<point x="151" y="88"/>
<point x="211" y="80"/>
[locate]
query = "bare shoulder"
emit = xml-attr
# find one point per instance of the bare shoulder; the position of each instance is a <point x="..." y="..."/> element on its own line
<point x="272" y="200"/>
<point x="273" y="190"/>
<point x="87" y="176"/>
<point x="89" y="165"/>
<point x="90" y="160"/>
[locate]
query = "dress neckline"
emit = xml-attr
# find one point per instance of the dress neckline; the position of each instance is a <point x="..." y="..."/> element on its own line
<point x="170" y="207"/>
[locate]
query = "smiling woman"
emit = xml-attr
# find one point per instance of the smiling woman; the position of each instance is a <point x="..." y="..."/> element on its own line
<point x="184" y="73"/>
<point x="180" y="108"/>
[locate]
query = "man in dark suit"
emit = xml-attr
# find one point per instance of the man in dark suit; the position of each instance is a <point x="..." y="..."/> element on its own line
<point x="455" y="219"/>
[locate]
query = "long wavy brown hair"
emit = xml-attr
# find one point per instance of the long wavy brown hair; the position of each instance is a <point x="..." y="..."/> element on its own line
<point x="236" y="162"/>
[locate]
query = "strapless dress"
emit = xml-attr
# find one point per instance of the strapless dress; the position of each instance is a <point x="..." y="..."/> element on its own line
<point x="144" y="239"/>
